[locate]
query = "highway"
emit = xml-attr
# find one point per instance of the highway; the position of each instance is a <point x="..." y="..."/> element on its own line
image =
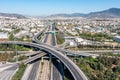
<point x="34" y="72"/>
<point x="56" y="69"/>
<point x="57" y="72"/>
<point x="35" y="40"/>
<point x="8" y="73"/>
<point x="72" y="67"/>
<point x="46" y="70"/>
<point x="34" y="58"/>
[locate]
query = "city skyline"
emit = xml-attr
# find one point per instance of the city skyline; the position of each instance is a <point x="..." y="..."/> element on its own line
<point x="48" y="7"/>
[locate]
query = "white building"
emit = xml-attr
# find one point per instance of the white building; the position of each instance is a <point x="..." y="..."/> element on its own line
<point x="4" y="36"/>
<point x="117" y="38"/>
<point x="81" y="41"/>
<point x="21" y="34"/>
<point x="7" y="29"/>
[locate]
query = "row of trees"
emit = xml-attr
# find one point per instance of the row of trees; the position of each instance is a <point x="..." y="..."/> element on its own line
<point x="13" y="47"/>
<point x="102" y="68"/>
<point x="96" y="37"/>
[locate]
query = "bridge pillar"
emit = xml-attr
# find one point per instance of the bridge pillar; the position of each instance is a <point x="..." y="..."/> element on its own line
<point x="29" y="56"/>
<point x="64" y="67"/>
<point x="66" y="53"/>
<point x="16" y="53"/>
<point x="42" y="59"/>
<point x="50" y="56"/>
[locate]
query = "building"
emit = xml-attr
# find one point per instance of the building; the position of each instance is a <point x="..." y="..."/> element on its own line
<point x="117" y="38"/>
<point x="21" y="34"/>
<point x="4" y="36"/>
<point x="81" y="41"/>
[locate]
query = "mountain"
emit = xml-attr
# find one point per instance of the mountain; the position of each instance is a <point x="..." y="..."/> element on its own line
<point x="12" y="15"/>
<point x="109" y="13"/>
<point x="68" y="15"/>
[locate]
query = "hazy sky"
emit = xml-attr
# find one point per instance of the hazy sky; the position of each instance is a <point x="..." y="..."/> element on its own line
<point x="47" y="7"/>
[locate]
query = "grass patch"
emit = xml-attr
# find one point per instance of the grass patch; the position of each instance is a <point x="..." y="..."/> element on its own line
<point x="95" y="37"/>
<point x="22" y="58"/>
<point x="60" y="39"/>
<point x="12" y="47"/>
<point x="20" y="72"/>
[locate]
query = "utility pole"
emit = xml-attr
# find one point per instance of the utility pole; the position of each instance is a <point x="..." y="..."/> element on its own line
<point x="16" y="53"/>
<point x="15" y="47"/>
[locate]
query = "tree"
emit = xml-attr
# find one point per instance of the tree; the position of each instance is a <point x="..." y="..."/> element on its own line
<point x="100" y="66"/>
<point x="11" y="37"/>
<point x="116" y="69"/>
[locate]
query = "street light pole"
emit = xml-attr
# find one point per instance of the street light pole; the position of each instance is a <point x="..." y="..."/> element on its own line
<point x="16" y="53"/>
<point x="15" y="47"/>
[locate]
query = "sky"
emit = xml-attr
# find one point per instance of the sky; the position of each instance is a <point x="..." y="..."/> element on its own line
<point x="48" y="7"/>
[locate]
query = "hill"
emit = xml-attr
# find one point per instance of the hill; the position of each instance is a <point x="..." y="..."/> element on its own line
<point x="109" y="13"/>
<point x="12" y="15"/>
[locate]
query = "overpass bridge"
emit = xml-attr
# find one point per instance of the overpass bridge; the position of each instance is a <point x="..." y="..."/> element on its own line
<point x="72" y="67"/>
<point x="52" y="32"/>
<point x="34" y="58"/>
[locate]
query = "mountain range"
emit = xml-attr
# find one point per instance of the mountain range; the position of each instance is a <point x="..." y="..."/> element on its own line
<point x="19" y="16"/>
<point x="109" y="13"/>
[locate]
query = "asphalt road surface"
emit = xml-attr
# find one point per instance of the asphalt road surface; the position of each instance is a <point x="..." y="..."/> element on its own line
<point x="9" y="72"/>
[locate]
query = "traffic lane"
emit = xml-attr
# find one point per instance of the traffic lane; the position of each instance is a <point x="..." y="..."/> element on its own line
<point x="57" y="70"/>
<point x="8" y="73"/>
<point x="53" y="40"/>
<point x="75" y="71"/>
<point x="45" y="39"/>
<point x="77" y="74"/>
<point x="33" y="74"/>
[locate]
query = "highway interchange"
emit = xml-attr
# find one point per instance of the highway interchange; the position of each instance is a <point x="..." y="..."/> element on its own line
<point x="56" y="66"/>
<point x="72" y="67"/>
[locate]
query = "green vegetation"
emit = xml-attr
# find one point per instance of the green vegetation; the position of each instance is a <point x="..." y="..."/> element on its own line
<point x="10" y="57"/>
<point x="7" y="56"/>
<point x="41" y="36"/>
<point x="11" y="37"/>
<point x="20" y="72"/>
<point x="91" y="47"/>
<point x="22" y="58"/>
<point x="13" y="47"/>
<point x="17" y="30"/>
<point x="111" y="54"/>
<point x="65" y="78"/>
<point x="60" y="39"/>
<point x="69" y="33"/>
<point x="22" y="48"/>
<point x="95" y="37"/>
<point x="102" y="68"/>
<point x="42" y="63"/>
